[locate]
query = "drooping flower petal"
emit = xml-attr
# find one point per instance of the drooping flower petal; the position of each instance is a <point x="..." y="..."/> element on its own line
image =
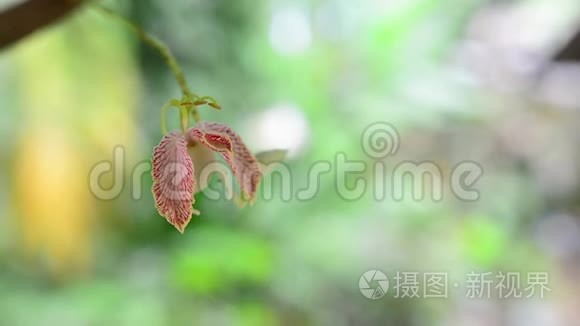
<point x="225" y="141"/>
<point x="267" y="160"/>
<point x="173" y="180"/>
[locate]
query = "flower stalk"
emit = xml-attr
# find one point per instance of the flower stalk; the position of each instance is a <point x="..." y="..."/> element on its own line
<point x="181" y="153"/>
<point x="189" y="100"/>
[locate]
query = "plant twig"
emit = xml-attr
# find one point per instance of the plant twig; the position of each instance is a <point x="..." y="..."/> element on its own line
<point x="163" y="50"/>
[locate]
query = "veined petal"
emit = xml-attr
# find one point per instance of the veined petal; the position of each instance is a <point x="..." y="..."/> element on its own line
<point x="173" y="180"/>
<point x="224" y="140"/>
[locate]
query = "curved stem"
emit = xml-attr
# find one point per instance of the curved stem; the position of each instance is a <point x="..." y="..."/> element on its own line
<point x="164" y="110"/>
<point x="195" y="114"/>
<point x="183" y="115"/>
<point x="162" y="49"/>
<point x="184" y="118"/>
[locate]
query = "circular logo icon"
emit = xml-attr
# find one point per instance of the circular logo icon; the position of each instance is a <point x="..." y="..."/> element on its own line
<point x="379" y="286"/>
<point x="380" y="140"/>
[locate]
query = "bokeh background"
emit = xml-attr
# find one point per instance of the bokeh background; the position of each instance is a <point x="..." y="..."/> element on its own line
<point x="460" y="80"/>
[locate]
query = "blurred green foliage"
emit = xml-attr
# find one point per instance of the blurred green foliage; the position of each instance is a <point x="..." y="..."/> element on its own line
<point x="278" y="262"/>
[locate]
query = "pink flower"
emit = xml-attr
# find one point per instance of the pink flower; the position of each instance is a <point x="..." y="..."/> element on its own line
<point x="174" y="175"/>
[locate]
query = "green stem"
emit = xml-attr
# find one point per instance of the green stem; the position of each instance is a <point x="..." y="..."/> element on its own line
<point x="183" y="115"/>
<point x="162" y="49"/>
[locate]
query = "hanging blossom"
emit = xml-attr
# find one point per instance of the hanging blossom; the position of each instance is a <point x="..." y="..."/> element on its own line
<point x="174" y="181"/>
<point x="180" y="153"/>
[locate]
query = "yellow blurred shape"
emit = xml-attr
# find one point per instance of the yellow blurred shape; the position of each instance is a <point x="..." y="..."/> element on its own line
<point x="52" y="201"/>
<point x="77" y="85"/>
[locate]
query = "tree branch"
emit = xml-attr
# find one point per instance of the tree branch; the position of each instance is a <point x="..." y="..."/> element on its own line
<point x="570" y="51"/>
<point x="21" y="20"/>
